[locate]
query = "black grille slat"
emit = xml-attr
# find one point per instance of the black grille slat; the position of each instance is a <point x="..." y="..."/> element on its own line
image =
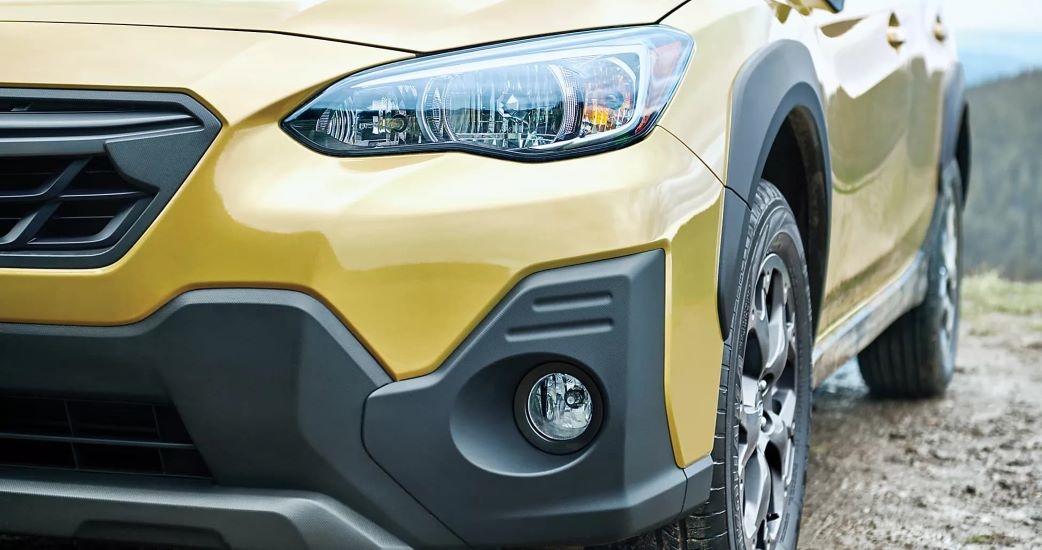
<point x="11" y="215"/>
<point x="81" y="220"/>
<point x="44" y="187"/>
<point x="83" y="204"/>
<point x="29" y="176"/>
<point x="114" y="442"/>
<point x="96" y="436"/>
<point x="21" y="415"/>
<point x="27" y="226"/>
<point x="41" y="454"/>
<point x="47" y="123"/>
<point x="100" y="181"/>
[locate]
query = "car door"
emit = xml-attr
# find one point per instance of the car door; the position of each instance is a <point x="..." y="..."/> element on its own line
<point x="865" y="73"/>
<point x="929" y="61"/>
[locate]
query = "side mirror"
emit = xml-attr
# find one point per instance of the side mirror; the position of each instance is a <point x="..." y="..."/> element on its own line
<point x="805" y="6"/>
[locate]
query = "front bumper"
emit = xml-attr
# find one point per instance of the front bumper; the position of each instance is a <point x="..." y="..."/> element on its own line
<point x="311" y="444"/>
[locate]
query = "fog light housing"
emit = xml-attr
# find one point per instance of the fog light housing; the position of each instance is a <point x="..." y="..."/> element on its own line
<point x="558" y="408"/>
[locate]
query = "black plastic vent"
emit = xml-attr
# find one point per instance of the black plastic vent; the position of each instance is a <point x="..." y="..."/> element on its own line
<point x="97" y="436"/>
<point x="83" y="173"/>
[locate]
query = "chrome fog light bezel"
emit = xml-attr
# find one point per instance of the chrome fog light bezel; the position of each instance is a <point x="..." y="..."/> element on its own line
<point x="533" y="434"/>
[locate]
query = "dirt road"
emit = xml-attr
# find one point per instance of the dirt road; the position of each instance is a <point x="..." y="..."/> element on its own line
<point x="961" y="471"/>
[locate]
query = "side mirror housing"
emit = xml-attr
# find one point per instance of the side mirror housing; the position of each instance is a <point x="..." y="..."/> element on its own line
<point x="805" y="6"/>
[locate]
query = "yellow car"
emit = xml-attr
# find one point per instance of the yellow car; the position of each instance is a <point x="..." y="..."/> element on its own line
<point x="471" y="273"/>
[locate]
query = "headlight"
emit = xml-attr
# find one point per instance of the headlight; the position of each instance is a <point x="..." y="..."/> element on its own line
<point x="533" y="99"/>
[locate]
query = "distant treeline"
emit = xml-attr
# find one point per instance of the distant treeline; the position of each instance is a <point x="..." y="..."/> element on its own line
<point x="1002" y="220"/>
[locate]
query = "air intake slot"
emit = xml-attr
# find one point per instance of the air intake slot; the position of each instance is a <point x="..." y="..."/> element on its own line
<point x="96" y="436"/>
<point x="83" y="173"/>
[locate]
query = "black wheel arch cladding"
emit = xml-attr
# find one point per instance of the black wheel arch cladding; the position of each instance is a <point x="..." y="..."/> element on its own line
<point x="771" y="86"/>
<point x="955" y="138"/>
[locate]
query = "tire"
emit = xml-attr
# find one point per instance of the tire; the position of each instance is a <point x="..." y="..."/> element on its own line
<point x="915" y="357"/>
<point x="773" y="245"/>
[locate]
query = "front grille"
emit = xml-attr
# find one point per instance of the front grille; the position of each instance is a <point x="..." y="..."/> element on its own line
<point x="96" y="436"/>
<point x="83" y="173"/>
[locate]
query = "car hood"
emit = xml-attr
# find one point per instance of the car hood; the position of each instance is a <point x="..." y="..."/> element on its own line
<point x="410" y="25"/>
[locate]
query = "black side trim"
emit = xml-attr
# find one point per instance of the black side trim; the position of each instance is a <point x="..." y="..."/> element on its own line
<point x="152" y="140"/>
<point x="772" y="84"/>
<point x="450" y="437"/>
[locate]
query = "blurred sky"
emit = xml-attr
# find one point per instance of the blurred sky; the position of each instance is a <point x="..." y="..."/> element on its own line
<point x="1020" y="15"/>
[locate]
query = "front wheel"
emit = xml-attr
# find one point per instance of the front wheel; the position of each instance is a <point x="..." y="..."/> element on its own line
<point x="763" y="422"/>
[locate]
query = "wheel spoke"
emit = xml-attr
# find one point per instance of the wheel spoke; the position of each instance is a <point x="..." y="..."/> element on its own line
<point x="757" y="497"/>
<point x="779" y="348"/>
<point x="749" y="421"/>
<point x="760" y="325"/>
<point x="778" y="436"/>
<point x="786" y="404"/>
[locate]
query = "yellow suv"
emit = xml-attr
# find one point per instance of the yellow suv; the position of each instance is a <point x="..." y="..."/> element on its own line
<point x="350" y="274"/>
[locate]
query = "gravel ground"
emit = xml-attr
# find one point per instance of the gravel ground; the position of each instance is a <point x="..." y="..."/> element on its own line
<point x="963" y="471"/>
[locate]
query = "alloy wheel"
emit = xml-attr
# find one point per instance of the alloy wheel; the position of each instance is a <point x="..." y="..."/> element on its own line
<point x="768" y="408"/>
<point x="948" y="281"/>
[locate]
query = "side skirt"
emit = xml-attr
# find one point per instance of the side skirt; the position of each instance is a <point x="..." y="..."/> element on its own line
<point x="862" y="328"/>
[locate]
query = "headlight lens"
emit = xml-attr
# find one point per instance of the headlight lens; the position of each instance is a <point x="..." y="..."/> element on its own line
<point x="534" y="99"/>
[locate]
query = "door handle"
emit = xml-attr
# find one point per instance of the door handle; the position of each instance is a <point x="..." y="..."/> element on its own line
<point x="940" y="31"/>
<point x="895" y="33"/>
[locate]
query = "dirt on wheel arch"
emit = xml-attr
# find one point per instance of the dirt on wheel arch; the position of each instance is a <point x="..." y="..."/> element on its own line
<point x="960" y="471"/>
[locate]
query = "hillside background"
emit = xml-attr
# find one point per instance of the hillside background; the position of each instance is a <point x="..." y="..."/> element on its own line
<point x="1003" y="219"/>
<point x="1003" y="229"/>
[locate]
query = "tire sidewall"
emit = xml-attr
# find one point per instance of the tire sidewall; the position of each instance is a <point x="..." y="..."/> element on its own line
<point x="772" y="230"/>
<point x="950" y="197"/>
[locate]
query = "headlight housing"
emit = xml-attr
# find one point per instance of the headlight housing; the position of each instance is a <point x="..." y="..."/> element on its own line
<point x="535" y="99"/>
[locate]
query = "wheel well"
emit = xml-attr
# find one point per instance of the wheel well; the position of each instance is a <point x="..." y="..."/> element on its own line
<point x="963" y="150"/>
<point x="796" y="166"/>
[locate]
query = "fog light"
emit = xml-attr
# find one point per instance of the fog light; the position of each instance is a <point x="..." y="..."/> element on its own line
<point x="558" y="408"/>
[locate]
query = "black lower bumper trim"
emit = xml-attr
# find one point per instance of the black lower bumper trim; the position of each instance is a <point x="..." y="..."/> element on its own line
<point x="186" y="515"/>
<point x="269" y="383"/>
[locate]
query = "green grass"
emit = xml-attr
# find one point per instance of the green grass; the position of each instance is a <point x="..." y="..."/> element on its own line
<point x="992" y="539"/>
<point x="988" y="292"/>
